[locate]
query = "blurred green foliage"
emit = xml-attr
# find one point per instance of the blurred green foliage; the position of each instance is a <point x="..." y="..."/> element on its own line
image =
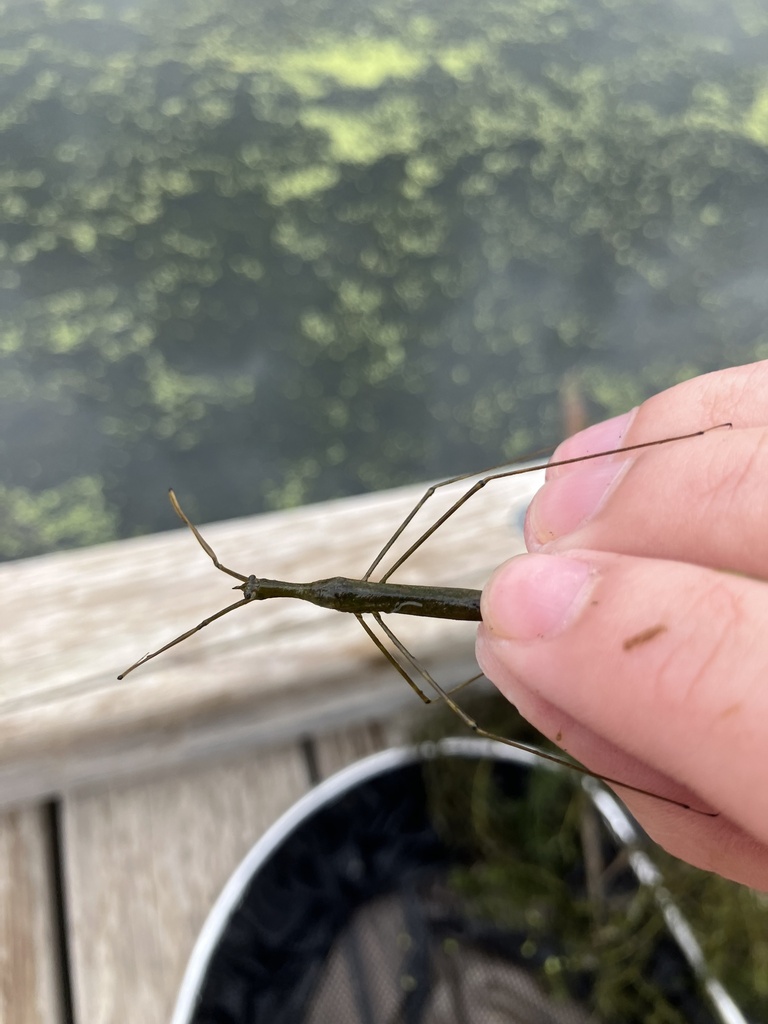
<point x="275" y="252"/>
<point x="730" y="922"/>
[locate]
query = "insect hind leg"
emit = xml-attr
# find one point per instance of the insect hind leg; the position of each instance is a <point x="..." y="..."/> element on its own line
<point x="440" y="693"/>
<point x="478" y="730"/>
<point x="392" y="659"/>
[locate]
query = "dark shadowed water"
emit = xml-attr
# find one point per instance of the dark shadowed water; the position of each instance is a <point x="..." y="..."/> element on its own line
<point x="271" y="253"/>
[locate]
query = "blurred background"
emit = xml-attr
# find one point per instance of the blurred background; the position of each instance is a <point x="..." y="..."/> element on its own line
<point x="276" y="252"/>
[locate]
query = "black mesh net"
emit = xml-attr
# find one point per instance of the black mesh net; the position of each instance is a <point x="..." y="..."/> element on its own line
<point x="356" y="919"/>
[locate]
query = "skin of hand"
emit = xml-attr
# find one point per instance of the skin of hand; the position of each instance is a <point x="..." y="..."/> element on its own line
<point x="635" y="632"/>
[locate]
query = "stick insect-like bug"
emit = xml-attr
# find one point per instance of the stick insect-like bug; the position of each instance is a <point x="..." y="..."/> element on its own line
<point x="365" y="596"/>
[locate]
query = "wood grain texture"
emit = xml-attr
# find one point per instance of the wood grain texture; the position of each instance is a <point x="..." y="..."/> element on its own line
<point x="144" y="860"/>
<point x="345" y="746"/>
<point x="143" y="866"/>
<point x="265" y="674"/>
<point x="29" y="969"/>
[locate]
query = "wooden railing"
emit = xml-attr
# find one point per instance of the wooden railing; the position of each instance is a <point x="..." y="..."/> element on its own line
<point x="93" y="811"/>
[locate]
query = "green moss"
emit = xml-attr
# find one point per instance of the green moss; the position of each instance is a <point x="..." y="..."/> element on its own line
<point x="350" y="63"/>
<point x="214" y="225"/>
<point x="389" y="126"/>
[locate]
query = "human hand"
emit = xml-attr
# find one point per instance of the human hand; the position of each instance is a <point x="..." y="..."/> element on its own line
<point x="636" y="633"/>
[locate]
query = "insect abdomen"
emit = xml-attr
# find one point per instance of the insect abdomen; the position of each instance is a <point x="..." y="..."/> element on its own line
<point x="363" y="596"/>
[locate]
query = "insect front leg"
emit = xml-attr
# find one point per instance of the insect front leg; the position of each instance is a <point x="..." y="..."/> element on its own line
<point x="185" y="636"/>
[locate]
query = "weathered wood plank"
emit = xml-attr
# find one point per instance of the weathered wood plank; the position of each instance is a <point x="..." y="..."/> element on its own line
<point x="345" y="746"/>
<point x="29" y="968"/>
<point x="262" y="675"/>
<point x="143" y="866"/>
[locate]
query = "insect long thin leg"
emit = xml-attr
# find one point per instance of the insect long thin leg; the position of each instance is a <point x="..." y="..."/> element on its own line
<point x="413" y="661"/>
<point x="574" y="766"/>
<point x="504" y="474"/>
<point x="392" y="659"/>
<point x="184" y="636"/>
<point x="435" y="487"/>
<point x="201" y="541"/>
<point x="479" y="731"/>
<point x="467" y="682"/>
<point x="440" y="692"/>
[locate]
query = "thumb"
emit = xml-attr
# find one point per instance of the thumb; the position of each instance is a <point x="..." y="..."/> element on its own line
<point x="649" y="671"/>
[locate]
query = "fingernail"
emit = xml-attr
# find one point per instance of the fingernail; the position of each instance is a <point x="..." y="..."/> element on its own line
<point x="565" y="504"/>
<point x="536" y="596"/>
<point x="574" y="493"/>
<point x="601" y="437"/>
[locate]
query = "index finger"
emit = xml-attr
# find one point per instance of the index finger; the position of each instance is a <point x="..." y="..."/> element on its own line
<point x="737" y="395"/>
